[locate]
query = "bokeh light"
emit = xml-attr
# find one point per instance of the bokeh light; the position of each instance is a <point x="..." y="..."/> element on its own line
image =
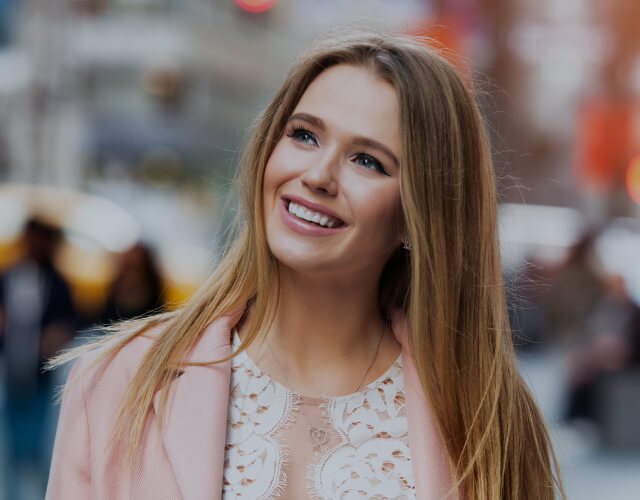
<point x="633" y="179"/>
<point x="255" y="6"/>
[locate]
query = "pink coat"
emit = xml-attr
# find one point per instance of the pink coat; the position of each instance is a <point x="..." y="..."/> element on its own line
<point x="184" y="459"/>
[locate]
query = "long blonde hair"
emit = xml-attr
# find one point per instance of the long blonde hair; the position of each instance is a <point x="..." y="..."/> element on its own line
<point x="449" y="284"/>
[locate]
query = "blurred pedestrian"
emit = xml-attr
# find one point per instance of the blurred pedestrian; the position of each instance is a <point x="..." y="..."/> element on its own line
<point x="608" y="346"/>
<point x="573" y="290"/>
<point x="137" y="288"/>
<point x="37" y="321"/>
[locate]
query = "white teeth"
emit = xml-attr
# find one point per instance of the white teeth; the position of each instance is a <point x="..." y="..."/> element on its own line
<point x="308" y="215"/>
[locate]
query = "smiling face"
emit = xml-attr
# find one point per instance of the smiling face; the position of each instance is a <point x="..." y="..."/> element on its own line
<point x="331" y="186"/>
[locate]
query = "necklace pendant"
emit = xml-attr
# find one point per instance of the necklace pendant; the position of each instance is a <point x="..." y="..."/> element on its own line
<point x="318" y="436"/>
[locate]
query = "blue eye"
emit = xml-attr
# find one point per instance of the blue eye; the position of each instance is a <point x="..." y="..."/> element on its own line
<point x="370" y="162"/>
<point x="303" y="135"/>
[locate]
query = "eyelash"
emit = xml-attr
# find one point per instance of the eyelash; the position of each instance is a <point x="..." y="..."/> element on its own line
<point x="296" y="132"/>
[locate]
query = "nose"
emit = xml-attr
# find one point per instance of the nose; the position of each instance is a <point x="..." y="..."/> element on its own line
<point x="321" y="177"/>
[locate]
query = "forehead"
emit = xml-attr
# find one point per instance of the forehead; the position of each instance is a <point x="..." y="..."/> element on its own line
<point x="354" y="100"/>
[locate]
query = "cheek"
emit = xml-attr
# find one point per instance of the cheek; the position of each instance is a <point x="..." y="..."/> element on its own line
<point x="278" y="171"/>
<point x="395" y="222"/>
<point x="281" y="164"/>
<point x="274" y="175"/>
<point x="384" y="213"/>
<point x="270" y="174"/>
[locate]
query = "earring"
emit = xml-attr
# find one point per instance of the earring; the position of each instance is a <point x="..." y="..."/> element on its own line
<point x="406" y="244"/>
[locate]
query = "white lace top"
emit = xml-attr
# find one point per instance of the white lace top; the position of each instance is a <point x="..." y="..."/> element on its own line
<point x="359" y="450"/>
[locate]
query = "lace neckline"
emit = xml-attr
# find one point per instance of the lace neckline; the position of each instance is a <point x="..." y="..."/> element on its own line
<point x="244" y="358"/>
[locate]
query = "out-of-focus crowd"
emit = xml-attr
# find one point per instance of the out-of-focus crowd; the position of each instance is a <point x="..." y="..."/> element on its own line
<point x="39" y="318"/>
<point x="585" y="308"/>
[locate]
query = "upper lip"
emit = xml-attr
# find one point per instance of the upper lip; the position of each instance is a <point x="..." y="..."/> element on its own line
<point x="316" y="207"/>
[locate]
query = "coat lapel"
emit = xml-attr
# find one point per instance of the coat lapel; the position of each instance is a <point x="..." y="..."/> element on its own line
<point x="431" y="469"/>
<point x="194" y="432"/>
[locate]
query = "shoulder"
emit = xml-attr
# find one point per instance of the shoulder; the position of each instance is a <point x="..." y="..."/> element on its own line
<point x="109" y="367"/>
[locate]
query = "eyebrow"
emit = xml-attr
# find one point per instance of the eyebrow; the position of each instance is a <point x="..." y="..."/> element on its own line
<point x="362" y="141"/>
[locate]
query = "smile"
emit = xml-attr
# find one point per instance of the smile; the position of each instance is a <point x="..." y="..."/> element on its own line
<point x="313" y="217"/>
<point x="309" y="218"/>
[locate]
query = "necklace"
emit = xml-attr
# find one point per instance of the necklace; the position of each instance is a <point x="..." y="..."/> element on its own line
<point x="320" y="435"/>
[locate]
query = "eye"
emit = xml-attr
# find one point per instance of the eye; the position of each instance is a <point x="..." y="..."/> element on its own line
<point x="302" y="135"/>
<point x="368" y="161"/>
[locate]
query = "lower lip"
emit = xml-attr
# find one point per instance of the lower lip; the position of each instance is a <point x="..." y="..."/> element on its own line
<point x="303" y="227"/>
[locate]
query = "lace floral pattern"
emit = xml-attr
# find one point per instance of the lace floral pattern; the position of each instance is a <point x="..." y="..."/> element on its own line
<point x="372" y="459"/>
<point x="255" y="460"/>
<point x="367" y="455"/>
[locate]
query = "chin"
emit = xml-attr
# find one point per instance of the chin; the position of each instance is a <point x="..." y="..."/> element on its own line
<point x="302" y="260"/>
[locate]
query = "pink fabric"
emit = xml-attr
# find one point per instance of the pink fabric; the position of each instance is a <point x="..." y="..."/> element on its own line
<point x="431" y="470"/>
<point x="185" y="459"/>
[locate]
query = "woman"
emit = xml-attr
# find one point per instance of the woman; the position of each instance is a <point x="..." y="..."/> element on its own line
<point x="363" y="295"/>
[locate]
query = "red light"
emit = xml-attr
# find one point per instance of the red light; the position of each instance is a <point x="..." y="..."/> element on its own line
<point x="255" y="6"/>
<point x="633" y="179"/>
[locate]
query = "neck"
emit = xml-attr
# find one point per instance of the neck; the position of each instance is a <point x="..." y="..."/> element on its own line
<point x="326" y="335"/>
<point x="322" y="319"/>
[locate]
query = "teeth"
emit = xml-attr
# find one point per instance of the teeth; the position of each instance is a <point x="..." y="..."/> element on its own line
<point x="308" y="215"/>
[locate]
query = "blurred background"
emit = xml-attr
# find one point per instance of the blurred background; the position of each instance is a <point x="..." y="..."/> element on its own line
<point x="121" y="122"/>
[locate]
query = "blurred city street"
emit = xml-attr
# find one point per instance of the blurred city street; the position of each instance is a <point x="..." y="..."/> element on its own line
<point x="121" y="125"/>
<point x="603" y="476"/>
<point x="590" y="471"/>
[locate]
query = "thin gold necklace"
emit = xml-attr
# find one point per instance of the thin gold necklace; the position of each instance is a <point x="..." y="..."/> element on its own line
<point x="320" y="435"/>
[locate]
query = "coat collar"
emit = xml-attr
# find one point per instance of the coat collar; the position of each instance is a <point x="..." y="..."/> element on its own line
<point x="431" y="469"/>
<point x="194" y="432"/>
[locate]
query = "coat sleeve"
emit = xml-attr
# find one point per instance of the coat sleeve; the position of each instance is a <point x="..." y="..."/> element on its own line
<point x="70" y="475"/>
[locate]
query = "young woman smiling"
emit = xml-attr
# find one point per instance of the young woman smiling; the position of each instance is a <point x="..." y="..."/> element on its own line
<point x="353" y="341"/>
